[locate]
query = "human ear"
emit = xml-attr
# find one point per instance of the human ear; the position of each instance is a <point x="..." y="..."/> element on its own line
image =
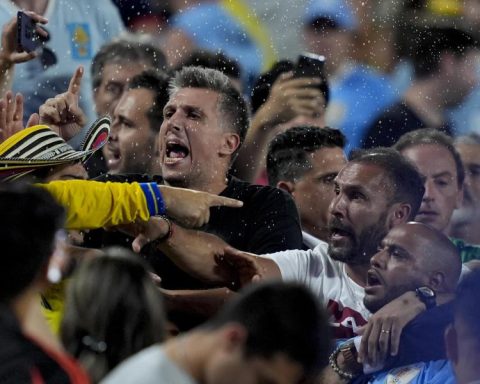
<point x="230" y="143"/>
<point x="400" y="214"/>
<point x="287" y="186"/>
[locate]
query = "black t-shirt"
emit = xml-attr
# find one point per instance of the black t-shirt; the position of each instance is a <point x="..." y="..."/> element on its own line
<point x="391" y="124"/>
<point x="268" y="222"/>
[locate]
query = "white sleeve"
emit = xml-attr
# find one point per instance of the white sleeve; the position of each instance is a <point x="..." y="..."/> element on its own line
<point x="299" y="265"/>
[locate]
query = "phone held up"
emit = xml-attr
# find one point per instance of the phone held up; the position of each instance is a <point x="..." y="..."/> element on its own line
<point x="312" y="65"/>
<point x="28" y="39"/>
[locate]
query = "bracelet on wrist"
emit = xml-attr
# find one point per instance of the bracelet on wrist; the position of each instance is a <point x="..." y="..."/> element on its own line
<point x="333" y="363"/>
<point x="169" y="232"/>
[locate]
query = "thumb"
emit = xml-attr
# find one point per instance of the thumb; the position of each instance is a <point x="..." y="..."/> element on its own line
<point x="34" y="119"/>
<point x="139" y="242"/>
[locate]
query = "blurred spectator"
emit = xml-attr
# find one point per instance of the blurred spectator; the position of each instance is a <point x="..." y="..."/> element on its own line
<point x="358" y="93"/>
<point x="304" y="161"/>
<point x="214" y="60"/>
<point x="77" y="29"/>
<point x="102" y="327"/>
<point x="462" y="339"/>
<point x="29" y="232"/>
<point x="465" y="223"/>
<point x="113" y="66"/>
<point x="444" y="68"/>
<point x="242" y="344"/>
<point x="280" y="100"/>
<point x="228" y="26"/>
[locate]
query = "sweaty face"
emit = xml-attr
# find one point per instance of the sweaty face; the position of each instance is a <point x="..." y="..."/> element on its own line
<point x="358" y="213"/>
<point x="132" y="146"/>
<point x="442" y="193"/>
<point x="314" y="191"/>
<point x="191" y="137"/>
<point x="397" y="267"/>
<point x="115" y="78"/>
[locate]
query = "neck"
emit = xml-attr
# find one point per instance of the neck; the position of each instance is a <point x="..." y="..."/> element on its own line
<point x="190" y="353"/>
<point x="358" y="273"/>
<point x="37" y="6"/>
<point x="28" y="311"/>
<point x="424" y="98"/>
<point x="444" y="298"/>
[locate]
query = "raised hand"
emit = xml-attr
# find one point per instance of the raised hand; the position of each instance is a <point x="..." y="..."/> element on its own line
<point x="9" y="54"/>
<point x="11" y="115"/>
<point x="62" y="113"/>
<point x="192" y="208"/>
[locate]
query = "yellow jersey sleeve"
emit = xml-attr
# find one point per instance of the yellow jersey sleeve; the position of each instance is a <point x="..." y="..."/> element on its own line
<point x="92" y="204"/>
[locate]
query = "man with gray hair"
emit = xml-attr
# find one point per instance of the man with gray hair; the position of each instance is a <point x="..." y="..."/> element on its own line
<point x="205" y="122"/>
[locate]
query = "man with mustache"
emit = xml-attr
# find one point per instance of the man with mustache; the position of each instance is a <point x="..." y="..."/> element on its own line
<point x="440" y="164"/>
<point x="411" y="257"/>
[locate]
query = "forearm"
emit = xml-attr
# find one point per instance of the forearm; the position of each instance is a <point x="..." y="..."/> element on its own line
<point x="194" y="252"/>
<point x="252" y="155"/>
<point x="202" y="303"/>
<point x="91" y="204"/>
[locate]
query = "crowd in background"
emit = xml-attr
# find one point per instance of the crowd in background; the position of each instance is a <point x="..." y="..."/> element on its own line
<point x="240" y="191"/>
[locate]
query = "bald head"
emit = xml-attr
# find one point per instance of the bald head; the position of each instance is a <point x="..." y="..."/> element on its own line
<point x="412" y="255"/>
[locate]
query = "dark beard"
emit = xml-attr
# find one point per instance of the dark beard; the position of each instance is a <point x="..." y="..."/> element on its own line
<point x="373" y="304"/>
<point x="361" y="248"/>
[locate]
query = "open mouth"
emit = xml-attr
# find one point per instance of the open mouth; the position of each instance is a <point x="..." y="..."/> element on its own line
<point x="338" y="233"/>
<point x="114" y="157"/>
<point x="175" y="151"/>
<point x="372" y="279"/>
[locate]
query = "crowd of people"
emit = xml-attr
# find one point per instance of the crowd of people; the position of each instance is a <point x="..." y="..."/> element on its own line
<point x="181" y="206"/>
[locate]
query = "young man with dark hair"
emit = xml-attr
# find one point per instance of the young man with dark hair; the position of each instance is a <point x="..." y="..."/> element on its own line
<point x="255" y="338"/>
<point x="440" y="164"/>
<point x="28" y="235"/>
<point x="444" y="66"/>
<point x="133" y="144"/>
<point x="304" y="161"/>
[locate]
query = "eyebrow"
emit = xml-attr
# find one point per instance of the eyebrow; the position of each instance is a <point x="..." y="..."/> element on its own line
<point x="443" y="174"/>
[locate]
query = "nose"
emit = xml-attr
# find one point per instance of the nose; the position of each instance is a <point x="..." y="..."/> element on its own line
<point x="429" y="194"/>
<point x="114" y="130"/>
<point x="379" y="260"/>
<point x="338" y="206"/>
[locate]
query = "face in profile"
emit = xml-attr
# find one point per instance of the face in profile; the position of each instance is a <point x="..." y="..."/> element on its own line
<point x="397" y="266"/>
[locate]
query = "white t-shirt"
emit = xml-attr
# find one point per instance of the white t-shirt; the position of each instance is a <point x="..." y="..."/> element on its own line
<point x="150" y="366"/>
<point x="329" y="282"/>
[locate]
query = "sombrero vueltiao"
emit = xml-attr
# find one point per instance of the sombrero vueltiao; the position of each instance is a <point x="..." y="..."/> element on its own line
<point x="38" y="147"/>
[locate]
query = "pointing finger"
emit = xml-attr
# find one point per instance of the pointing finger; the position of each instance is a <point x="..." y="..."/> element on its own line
<point x="225" y="201"/>
<point x="76" y="81"/>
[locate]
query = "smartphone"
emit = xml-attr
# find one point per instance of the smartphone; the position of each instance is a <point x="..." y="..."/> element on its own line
<point x="28" y="39"/>
<point x="312" y="65"/>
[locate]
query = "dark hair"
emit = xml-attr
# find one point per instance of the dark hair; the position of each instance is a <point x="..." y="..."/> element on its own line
<point x="287" y="157"/>
<point x="214" y="60"/>
<point x="432" y="136"/>
<point x="231" y="103"/>
<point x="157" y="82"/>
<point x="264" y="83"/>
<point x="406" y="183"/>
<point x="30" y="218"/>
<point x="126" y="51"/>
<point x="280" y="317"/>
<point x="466" y="304"/>
<point x="430" y="43"/>
<point x="113" y="310"/>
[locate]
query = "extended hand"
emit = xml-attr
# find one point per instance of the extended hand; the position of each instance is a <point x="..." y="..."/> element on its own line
<point x="11" y="115"/>
<point x="238" y="267"/>
<point x="192" y="208"/>
<point x="381" y="336"/>
<point x="62" y="113"/>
